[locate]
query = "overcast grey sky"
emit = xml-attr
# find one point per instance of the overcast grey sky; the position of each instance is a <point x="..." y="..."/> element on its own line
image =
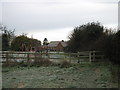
<point x="55" y="19"/>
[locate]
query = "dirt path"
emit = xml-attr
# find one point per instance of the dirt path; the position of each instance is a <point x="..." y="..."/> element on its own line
<point x="82" y="76"/>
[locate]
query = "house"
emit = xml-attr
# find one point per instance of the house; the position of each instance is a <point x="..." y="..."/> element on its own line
<point x="57" y="45"/>
<point x="43" y="48"/>
<point x="52" y="46"/>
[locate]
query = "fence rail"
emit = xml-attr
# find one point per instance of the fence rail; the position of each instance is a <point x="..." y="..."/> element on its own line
<point x="26" y="56"/>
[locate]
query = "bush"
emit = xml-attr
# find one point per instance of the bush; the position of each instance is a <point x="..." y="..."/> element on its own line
<point x="94" y="37"/>
<point x="64" y="64"/>
<point x="84" y="37"/>
<point x="43" y="62"/>
<point x="112" y="48"/>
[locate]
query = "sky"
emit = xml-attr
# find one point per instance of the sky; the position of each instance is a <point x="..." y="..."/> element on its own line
<point x="55" y="19"/>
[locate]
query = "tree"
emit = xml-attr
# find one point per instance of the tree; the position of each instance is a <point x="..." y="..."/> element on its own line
<point x="45" y="41"/>
<point x="94" y="36"/>
<point x="19" y="42"/>
<point x="84" y="37"/>
<point x="112" y="47"/>
<point x="7" y="36"/>
<point x="22" y="42"/>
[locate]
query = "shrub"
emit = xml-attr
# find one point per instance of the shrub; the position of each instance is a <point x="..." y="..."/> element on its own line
<point x="43" y="61"/>
<point x="64" y="64"/>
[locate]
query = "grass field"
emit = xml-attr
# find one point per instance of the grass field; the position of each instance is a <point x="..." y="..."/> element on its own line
<point x="86" y="75"/>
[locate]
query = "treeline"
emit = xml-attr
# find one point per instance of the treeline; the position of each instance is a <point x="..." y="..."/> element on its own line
<point x="16" y="43"/>
<point x="87" y="37"/>
<point x="94" y="36"/>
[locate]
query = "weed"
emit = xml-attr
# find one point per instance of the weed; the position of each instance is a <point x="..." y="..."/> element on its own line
<point x="64" y="64"/>
<point x="43" y="62"/>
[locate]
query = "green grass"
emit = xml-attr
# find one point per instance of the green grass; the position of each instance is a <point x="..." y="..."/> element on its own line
<point x="83" y="75"/>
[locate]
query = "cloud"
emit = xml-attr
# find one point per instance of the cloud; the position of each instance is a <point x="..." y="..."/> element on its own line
<point x="49" y="15"/>
<point x="40" y="16"/>
<point x="0" y="12"/>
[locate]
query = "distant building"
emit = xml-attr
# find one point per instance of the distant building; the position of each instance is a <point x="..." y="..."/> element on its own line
<point x="43" y="48"/>
<point x="57" y="45"/>
<point x="52" y="46"/>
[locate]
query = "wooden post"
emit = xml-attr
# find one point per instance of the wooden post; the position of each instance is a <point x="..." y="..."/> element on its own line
<point x="28" y="57"/>
<point x="102" y="57"/>
<point x="78" y="57"/>
<point x="94" y="55"/>
<point x="48" y="55"/>
<point x="7" y="62"/>
<point x="70" y="57"/>
<point x="35" y="57"/>
<point x="41" y="54"/>
<point x="64" y="57"/>
<point x="90" y="57"/>
<point x="13" y="56"/>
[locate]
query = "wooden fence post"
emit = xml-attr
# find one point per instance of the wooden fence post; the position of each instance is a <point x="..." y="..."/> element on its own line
<point x="64" y="57"/>
<point x="90" y="56"/>
<point x="94" y="55"/>
<point x="78" y="57"/>
<point x="41" y="55"/>
<point x="28" y="57"/>
<point x="35" y="56"/>
<point x="35" y="59"/>
<point x="102" y="57"/>
<point x="7" y="62"/>
<point x="48" y="55"/>
<point x="70" y="57"/>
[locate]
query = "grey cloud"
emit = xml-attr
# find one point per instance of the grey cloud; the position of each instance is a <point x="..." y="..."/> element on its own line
<point x="48" y="15"/>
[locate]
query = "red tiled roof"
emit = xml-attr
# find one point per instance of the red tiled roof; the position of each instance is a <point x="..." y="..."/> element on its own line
<point x="55" y="43"/>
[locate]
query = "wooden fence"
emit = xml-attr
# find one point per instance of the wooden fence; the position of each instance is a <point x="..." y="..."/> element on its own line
<point x="92" y="56"/>
<point x="27" y="56"/>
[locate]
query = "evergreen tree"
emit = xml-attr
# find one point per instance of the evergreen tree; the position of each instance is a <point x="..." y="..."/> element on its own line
<point x="45" y="41"/>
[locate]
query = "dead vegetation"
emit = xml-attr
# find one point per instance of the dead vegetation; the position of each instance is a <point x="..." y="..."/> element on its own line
<point x="38" y="63"/>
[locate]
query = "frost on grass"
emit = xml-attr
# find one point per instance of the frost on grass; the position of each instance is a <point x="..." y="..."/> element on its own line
<point x="74" y="76"/>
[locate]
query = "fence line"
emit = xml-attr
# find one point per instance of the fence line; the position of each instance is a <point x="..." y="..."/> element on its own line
<point x="81" y="56"/>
